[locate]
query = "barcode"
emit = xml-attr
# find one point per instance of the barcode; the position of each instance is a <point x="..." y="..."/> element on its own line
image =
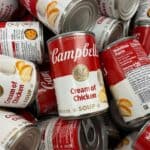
<point x="145" y="96"/>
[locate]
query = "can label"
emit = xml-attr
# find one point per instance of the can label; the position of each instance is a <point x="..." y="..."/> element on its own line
<point x="18" y="81"/>
<point x="108" y="8"/>
<point x="75" y="64"/>
<point x="143" y="12"/>
<point x="127" y="70"/>
<point x="101" y="29"/>
<point x="142" y="33"/>
<point x="48" y="11"/>
<point x="127" y="142"/>
<point x="143" y="140"/>
<point x="10" y="124"/>
<point x="21" y="40"/>
<point x="7" y="8"/>
<point x="46" y="99"/>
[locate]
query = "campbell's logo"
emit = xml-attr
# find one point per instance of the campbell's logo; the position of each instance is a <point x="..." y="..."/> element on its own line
<point x="73" y="54"/>
<point x="46" y="82"/>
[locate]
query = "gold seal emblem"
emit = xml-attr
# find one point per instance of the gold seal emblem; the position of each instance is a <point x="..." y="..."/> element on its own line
<point x="80" y="72"/>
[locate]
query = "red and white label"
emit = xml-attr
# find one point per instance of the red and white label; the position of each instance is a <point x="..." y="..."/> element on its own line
<point x="60" y="134"/>
<point x="127" y="70"/>
<point x="10" y="125"/>
<point x="18" y="82"/>
<point x="142" y="33"/>
<point x="143" y="140"/>
<point x="46" y="98"/>
<point x="7" y="8"/>
<point x="22" y="40"/>
<point x="75" y="65"/>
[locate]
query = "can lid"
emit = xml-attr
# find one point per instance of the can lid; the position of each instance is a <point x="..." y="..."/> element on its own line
<point x="79" y="15"/>
<point x="127" y="8"/>
<point x="27" y="138"/>
<point x="116" y="33"/>
<point x="117" y="41"/>
<point x="73" y="33"/>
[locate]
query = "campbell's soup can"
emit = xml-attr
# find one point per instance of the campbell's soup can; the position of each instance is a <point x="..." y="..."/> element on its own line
<point x="142" y="141"/>
<point x="23" y="40"/>
<point x="7" y="9"/>
<point x="17" y="133"/>
<point x="73" y="135"/>
<point x="106" y="31"/>
<point x="118" y="9"/>
<point x="18" y="82"/>
<point x="143" y="12"/>
<point x="63" y="16"/>
<point x="45" y="101"/>
<point x="75" y="66"/>
<point x="127" y="69"/>
<point x="142" y="32"/>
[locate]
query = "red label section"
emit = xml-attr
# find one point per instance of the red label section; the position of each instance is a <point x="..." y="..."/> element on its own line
<point x="65" y="135"/>
<point x="143" y="35"/>
<point x="143" y="141"/>
<point x="30" y="6"/>
<point x="122" y="58"/>
<point x="46" y="100"/>
<point x="65" y="53"/>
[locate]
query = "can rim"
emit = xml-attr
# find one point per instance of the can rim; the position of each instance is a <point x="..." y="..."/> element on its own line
<point x="21" y="132"/>
<point x="140" y="132"/>
<point x="119" y="40"/>
<point x="143" y="23"/>
<point x="62" y="35"/>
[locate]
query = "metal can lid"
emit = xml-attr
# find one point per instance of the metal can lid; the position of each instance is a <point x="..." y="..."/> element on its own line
<point x="28" y="138"/>
<point x="117" y="41"/>
<point x="79" y="15"/>
<point x="73" y="33"/>
<point x="127" y="8"/>
<point x="116" y="32"/>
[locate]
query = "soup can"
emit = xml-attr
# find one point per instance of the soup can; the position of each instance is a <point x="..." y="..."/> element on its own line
<point x="118" y="9"/>
<point x="74" y="62"/>
<point x="23" y="40"/>
<point x="142" y="141"/>
<point x="7" y="9"/>
<point x="127" y="69"/>
<point x="17" y="133"/>
<point x="107" y="30"/>
<point x="142" y="32"/>
<point x="18" y="82"/>
<point x="126" y="28"/>
<point x="143" y="13"/>
<point x="45" y="101"/>
<point x="73" y="135"/>
<point x="63" y="16"/>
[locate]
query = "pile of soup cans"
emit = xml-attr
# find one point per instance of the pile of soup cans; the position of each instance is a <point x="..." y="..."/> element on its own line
<point x="74" y="74"/>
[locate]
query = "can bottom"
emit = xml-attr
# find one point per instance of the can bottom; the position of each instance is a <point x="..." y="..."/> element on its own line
<point x="83" y="116"/>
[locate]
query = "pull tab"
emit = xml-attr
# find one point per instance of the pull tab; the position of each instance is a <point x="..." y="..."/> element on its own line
<point x="89" y="131"/>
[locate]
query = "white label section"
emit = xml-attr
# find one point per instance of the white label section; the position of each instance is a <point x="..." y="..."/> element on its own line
<point x="78" y="98"/>
<point x="143" y="12"/>
<point x="49" y="134"/>
<point x="10" y="124"/>
<point x="102" y="31"/>
<point x="7" y="8"/>
<point x="127" y="142"/>
<point x="21" y="40"/>
<point x="50" y="12"/>
<point x="133" y="93"/>
<point x="17" y="82"/>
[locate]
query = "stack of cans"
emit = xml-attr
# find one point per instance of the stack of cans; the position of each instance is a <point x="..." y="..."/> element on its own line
<point x="74" y="75"/>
